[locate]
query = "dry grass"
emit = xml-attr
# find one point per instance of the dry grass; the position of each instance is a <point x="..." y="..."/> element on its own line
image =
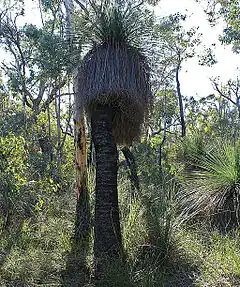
<point x="117" y="75"/>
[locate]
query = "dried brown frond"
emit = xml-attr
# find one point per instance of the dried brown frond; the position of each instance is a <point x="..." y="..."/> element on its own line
<point x="117" y="75"/>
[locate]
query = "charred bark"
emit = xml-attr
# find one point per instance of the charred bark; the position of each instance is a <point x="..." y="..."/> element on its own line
<point x="107" y="233"/>
<point x="83" y="215"/>
<point x="82" y="228"/>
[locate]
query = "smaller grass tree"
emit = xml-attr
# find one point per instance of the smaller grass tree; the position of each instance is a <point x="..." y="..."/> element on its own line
<point x="114" y="81"/>
<point x="215" y="185"/>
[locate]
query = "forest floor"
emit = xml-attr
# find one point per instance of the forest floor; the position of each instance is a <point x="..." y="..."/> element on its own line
<point x="37" y="251"/>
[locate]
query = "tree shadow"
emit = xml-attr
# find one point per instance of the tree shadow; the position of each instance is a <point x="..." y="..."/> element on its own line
<point x="116" y="273"/>
<point x="181" y="274"/>
<point x="78" y="271"/>
<point x="159" y="268"/>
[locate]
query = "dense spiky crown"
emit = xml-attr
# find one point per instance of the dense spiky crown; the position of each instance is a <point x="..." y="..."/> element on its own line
<point x="125" y="21"/>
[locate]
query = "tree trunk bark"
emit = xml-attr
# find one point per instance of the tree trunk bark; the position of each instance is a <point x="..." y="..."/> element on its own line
<point x="132" y="173"/>
<point x="160" y="151"/>
<point x="180" y="100"/>
<point x="58" y="114"/>
<point x="82" y="228"/>
<point x="238" y="122"/>
<point x="107" y="233"/>
<point x="83" y="215"/>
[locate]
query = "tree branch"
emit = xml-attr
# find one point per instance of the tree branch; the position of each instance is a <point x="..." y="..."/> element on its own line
<point x="53" y="93"/>
<point x="222" y="94"/>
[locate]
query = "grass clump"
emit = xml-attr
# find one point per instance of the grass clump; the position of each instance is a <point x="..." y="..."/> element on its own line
<point x="190" y="148"/>
<point x="150" y="222"/>
<point x="222" y="267"/>
<point x="212" y="188"/>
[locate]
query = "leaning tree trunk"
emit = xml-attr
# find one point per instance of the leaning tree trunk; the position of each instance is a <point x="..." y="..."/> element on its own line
<point x="107" y="234"/>
<point x="132" y="173"/>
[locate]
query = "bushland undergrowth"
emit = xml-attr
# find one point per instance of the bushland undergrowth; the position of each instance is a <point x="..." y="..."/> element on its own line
<point x="163" y="244"/>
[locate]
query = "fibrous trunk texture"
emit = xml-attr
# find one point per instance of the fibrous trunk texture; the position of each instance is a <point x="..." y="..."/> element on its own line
<point x="118" y="75"/>
<point x="107" y="234"/>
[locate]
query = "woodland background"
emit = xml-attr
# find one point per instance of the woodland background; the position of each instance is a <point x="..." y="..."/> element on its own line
<point x="178" y="184"/>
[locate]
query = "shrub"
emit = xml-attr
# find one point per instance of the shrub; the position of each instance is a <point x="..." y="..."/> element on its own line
<point x="150" y="220"/>
<point x="213" y="187"/>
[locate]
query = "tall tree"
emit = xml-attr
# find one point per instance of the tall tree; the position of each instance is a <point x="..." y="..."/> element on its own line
<point x="40" y="59"/>
<point x="39" y="64"/>
<point x="82" y="225"/>
<point x="115" y="90"/>
<point x="178" y="45"/>
<point x="230" y="92"/>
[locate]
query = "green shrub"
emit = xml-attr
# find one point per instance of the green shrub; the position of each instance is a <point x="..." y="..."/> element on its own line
<point x="150" y="220"/>
<point x="13" y="163"/>
<point x="191" y="147"/>
<point x="35" y="253"/>
<point x="212" y="189"/>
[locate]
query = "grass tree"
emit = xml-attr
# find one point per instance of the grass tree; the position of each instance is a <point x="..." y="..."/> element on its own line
<point x="214" y="188"/>
<point x="114" y="81"/>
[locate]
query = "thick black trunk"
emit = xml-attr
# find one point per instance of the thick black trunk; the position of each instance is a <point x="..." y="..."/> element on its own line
<point x="107" y="233"/>
<point x="180" y="101"/>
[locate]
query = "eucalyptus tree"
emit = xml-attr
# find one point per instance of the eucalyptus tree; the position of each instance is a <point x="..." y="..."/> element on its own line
<point x="229" y="11"/>
<point x="230" y="93"/>
<point x="38" y="64"/>
<point x="115" y="90"/>
<point x="211" y="116"/>
<point x="38" y="58"/>
<point x="177" y="45"/>
<point x="231" y="34"/>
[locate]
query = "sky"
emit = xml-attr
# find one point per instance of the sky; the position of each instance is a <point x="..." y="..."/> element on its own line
<point x="194" y="78"/>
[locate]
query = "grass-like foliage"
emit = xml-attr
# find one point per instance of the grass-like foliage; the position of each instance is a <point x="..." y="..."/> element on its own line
<point x="150" y="222"/>
<point x="37" y="249"/>
<point x="33" y="252"/>
<point x="214" y="257"/>
<point x="215" y="184"/>
<point x="222" y="166"/>
<point x="190" y="149"/>
<point x="113" y="20"/>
